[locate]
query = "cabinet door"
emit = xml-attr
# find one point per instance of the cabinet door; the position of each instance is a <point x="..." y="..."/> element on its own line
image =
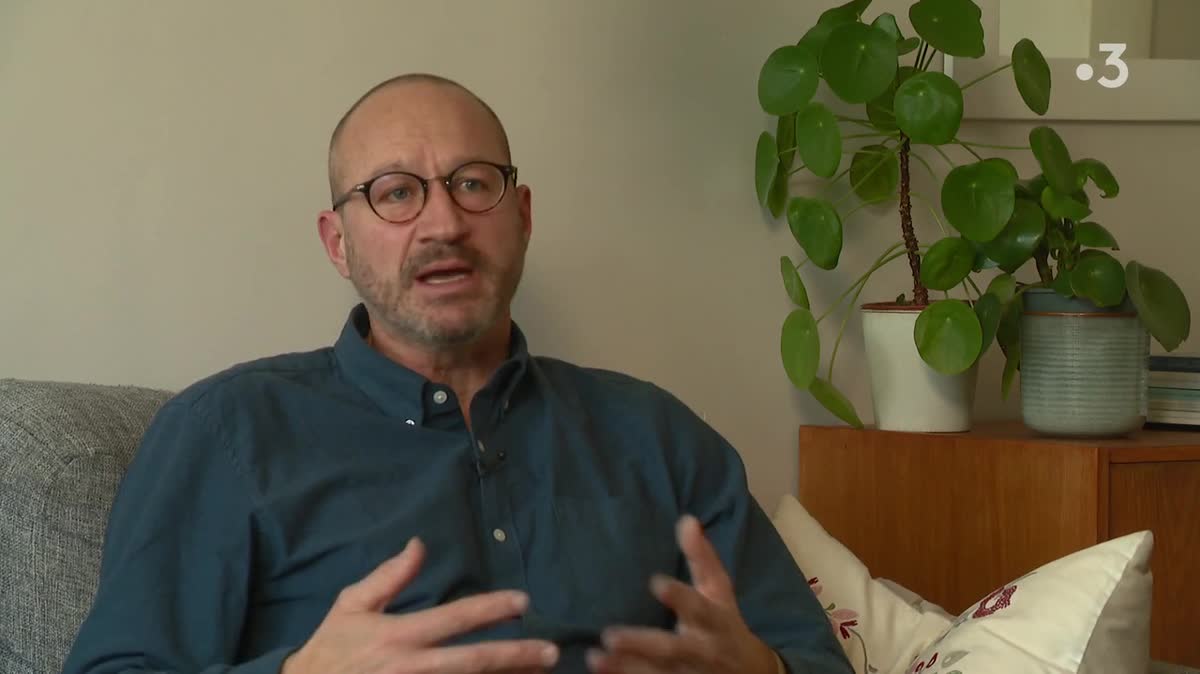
<point x="1164" y="497"/>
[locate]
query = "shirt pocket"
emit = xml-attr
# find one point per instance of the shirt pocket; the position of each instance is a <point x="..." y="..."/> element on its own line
<point x="610" y="549"/>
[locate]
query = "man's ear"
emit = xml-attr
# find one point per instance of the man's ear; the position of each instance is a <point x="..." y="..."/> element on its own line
<point x="525" y="208"/>
<point x="331" y="229"/>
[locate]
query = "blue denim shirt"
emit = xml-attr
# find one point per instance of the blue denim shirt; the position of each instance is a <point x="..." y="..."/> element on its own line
<point x="259" y="493"/>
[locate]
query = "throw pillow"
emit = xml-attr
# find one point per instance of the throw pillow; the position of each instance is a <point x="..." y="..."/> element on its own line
<point x="880" y="631"/>
<point x="1087" y="613"/>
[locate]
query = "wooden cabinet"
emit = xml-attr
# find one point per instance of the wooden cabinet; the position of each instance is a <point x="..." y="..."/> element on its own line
<point x="953" y="516"/>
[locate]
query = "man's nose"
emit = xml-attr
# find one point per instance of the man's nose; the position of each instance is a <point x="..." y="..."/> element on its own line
<point x="441" y="219"/>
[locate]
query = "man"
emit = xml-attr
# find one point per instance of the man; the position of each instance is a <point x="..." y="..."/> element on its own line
<point x="425" y="496"/>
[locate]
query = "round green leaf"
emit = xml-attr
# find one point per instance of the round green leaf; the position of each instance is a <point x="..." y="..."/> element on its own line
<point x="929" y="108"/>
<point x="909" y="46"/>
<point x="948" y="336"/>
<point x="881" y="111"/>
<point x="1008" y="333"/>
<point x="875" y="173"/>
<point x="1014" y="245"/>
<point x="788" y="80"/>
<point x="816" y="37"/>
<point x="766" y="161"/>
<point x="785" y="133"/>
<point x="848" y="13"/>
<point x="953" y="27"/>
<point x="817" y="228"/>
<point x="1099" y="173"/>
<point x="988" y="310"/>
<point x="1032" y="75"/>
<point x="978" y="199"/>
<point x="1032" y="188"/>
<point x="1006" y="165"/>
<point x="1093" y="235"/>
<point x="819" y="139"/>
<point x="1012" y="364"/>
<point x="1161" y="305"/>
<point x="1063" y="207"/>
<point x="1062" y="283"/>
<point x="800" y="346"/>
<point x="947" y="263"/>
<point x="1052" y="155"/>
<point x="1003" y="287"/>
<point x="859" y="62"/>
<point x="1100" y="278"/>
<point x="793" y="283"/>
<point x="834" y="401"/>
<point x="887" y="23"/>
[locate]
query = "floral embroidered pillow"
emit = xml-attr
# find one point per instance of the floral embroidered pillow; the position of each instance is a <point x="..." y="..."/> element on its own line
<point x="880" y="631"/>
<point x="1087" y="613"/>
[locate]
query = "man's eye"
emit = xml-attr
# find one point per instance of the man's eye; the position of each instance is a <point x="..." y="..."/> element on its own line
<point x="470" y="185"/>
<point x="399" y="194"/>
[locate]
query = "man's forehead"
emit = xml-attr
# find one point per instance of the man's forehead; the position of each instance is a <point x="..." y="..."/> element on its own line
<point x="413" y="120"/>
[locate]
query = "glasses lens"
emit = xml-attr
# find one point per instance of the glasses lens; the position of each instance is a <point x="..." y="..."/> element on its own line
<point x="397" y="197"/>
<point x="477" y="187"/>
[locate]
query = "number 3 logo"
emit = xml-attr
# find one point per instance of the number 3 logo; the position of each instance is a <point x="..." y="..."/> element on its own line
<point x="1114" y="51"/>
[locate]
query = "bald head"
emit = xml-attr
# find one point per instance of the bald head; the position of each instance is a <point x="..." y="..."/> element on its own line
<point x="416" y="83"/>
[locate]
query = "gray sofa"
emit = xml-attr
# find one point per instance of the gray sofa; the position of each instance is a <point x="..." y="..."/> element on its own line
<point x="63" y="450"/>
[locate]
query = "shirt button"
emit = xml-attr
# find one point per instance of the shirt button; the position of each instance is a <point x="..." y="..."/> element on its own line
<point x="410" y="422"/>
<point x="498" y="534"/>
<point x="439" y="397"/>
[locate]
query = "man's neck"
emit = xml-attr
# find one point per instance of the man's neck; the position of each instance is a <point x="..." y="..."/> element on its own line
<point x="464" y="369"/>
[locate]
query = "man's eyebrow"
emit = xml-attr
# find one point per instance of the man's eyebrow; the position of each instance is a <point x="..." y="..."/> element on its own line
<point x="406" y="167"/>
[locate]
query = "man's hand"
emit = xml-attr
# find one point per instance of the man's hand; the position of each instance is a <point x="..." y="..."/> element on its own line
<point x="357" y="637"/>
<point x="710" y="637"/>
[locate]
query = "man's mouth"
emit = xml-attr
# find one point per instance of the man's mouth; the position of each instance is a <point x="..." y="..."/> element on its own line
<point x="444" y="273"/>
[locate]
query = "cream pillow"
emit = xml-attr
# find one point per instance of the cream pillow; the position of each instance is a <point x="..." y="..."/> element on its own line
<point x="879" y="630"/>
<point x="1087" y="613"/>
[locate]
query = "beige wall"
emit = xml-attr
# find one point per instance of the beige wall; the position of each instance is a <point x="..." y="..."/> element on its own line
<point x="1175" y="24"/>
<point x="161" y="164"/>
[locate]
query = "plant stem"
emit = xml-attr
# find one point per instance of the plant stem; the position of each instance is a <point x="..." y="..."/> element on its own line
<point x="842" y="329"/>
<point x="880" y="261"/>
<point x="796" y="170"/>
<point x="968" y="149"/>
<point x="920" y="294"/>
<point x="862" y="180"/>
<point x="993" y="147"/>
<point x="924" y="163"/>
<point x="802" y="263"/>
<point x="920" y="55"/>
<point x="856" y="209"/>
<point x="932" y="212"/>
<point x="944" y="156"/>
<point x="929" y="60"/>
<point x="869" y="135"/>
<point x="981" y="78"/>
<point x="978" y="292"/>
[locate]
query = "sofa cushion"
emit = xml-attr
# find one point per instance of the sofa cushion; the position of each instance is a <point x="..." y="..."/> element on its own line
<point x="63" y="450"/>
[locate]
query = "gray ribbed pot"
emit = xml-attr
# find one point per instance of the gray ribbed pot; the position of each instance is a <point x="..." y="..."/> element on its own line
<point x="1083" y="368"/>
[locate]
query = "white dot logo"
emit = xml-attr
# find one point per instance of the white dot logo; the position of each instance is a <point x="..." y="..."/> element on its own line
<point x="1084" y="72"/>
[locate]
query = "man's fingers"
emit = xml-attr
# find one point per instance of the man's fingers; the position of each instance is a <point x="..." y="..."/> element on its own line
<point x="660" y="648"/>
<point x="689" y="605"/>
<point x="708" y="573"/>
<point x="490" y="657"/>
<point x="379" y="587"/>
<point x="435" y="625"/>
<point x="601" y="662"/>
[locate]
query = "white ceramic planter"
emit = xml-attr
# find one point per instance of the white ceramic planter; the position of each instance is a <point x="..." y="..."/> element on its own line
<point x="908" y="395"/>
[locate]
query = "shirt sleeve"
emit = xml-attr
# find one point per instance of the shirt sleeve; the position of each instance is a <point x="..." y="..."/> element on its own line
<point x="177" y="557"/>
<point x="773" y="593"/>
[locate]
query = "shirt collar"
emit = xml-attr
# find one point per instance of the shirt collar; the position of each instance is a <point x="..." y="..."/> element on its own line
<point x="401" y="392"/>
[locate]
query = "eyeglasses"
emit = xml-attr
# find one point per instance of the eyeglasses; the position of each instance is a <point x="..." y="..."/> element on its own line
<point x="398" y="197"/>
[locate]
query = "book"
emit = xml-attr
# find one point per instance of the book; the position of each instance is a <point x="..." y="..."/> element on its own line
<point x="1174" y="379"/>
<point x="1173" y="417"/>
<point x="1182" y="362"/>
